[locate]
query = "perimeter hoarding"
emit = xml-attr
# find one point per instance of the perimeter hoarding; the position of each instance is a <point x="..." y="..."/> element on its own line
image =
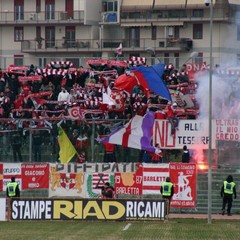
<point x="1" y="177"/>
<point x="12" y="170"/>
<point x="190" y="133"/>
<point x="129" y="183"/>
<point x="3" y="204"/>
<point x="84" y="180"/>
<point x="184" y="177"/>
<point x="35" y="175"/>
<point x="87" y="209"/>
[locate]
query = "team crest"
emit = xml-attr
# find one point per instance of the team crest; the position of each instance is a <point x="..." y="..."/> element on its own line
<point x="67" y="180"/>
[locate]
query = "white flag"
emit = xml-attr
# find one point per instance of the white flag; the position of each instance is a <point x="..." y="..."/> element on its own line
<point x="119" y="49"/>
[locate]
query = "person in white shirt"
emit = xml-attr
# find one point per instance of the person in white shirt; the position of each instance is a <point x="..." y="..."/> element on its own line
<point x="64" y="95"/>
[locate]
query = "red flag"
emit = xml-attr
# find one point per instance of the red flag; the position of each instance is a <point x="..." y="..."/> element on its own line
<point x="126" y="82"/>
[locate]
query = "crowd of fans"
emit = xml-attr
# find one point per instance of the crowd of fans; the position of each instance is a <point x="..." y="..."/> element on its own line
<point x="49" y="97"/>
<point x="38" y="98"/>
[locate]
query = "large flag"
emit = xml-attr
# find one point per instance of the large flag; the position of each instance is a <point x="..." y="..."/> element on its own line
<point x="67" y="150"/>
<point x="150" y="78"/>
<point x="137" y="133"/>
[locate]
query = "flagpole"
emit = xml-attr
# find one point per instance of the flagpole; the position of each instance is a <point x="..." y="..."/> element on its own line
<point x="210" y="120"/>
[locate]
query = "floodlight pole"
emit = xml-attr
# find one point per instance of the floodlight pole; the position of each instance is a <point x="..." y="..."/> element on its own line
<point x="210" y="119"/>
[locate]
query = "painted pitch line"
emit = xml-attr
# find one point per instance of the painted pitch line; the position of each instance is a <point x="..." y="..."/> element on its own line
<point x="127" y="227"/>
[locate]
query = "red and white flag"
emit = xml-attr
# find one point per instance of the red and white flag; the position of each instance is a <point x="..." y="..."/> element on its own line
<point x="119" y="49"/>
<point x="153" y="177"/>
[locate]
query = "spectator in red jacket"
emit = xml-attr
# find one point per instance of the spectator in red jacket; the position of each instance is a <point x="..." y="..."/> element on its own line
<point x="109" y="154"/>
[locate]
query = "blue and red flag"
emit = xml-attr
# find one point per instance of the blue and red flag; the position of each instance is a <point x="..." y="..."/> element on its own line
<point x="150" y="78"/>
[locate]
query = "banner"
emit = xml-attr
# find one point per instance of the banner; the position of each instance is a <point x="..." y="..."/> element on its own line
<point x="193" y="133"/>
<point x="227" y="130"/>
<point x="83" y="209"/>
<point x="95" y="182"/>
<point x="129" y="183"/>
<point x="1" y="177"/>
<point x="153" y="177"/>
<point x="96" y="167"/>
<point x="12" y="170"/>
<point x="184" y="178"/>
<point x="3" y="205"/>
<point x="35" y="175"/>
<point x="65" y="183"/>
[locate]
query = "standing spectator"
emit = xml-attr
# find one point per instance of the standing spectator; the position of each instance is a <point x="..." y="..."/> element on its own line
<point x="185" y="155"/>
<point x="63" y="95"/>
<point x="109" y="154"/>
<point x="172" y="117"/>
<point x="107" y="191"/>
<point x="16" y="146"/>
<point x="13" y="84"/>
<point x="37" y="146"/>
<point x="167" y="191"/>
<point x="2" y="81"/>
<point x="227" y="191"/>
<point x="13" y="188"/>
<point x="31" y="70"/>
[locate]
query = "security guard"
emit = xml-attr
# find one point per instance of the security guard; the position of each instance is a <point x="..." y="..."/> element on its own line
<point x="167" y="191"/>
<point x="13" y="188"/>
<point x="227" y="191"/>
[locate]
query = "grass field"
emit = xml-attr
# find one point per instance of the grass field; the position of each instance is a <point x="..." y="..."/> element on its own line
<point x="173" y="229"/>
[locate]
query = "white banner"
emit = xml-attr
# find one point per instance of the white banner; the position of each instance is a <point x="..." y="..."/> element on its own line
<point x="12" y="170"/>
<point x="65" y="183"/>
<point x="193" y="133"/>
<point x="3" y="204"/>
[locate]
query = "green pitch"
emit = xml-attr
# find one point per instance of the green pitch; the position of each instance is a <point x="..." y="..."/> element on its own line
<point x="171" y="230"/>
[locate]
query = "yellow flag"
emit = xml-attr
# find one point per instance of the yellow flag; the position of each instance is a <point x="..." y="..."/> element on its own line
<point x="67" y="150"/>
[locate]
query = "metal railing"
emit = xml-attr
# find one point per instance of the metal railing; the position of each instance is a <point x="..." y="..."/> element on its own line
<point x="8" y="17"/>
<point x="160" y="44"/>
<point x="82" y="134"/>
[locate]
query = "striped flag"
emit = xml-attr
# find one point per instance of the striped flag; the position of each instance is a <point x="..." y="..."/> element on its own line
<point x="137" y="133"/>
<point x="67" y="150"/>
<point x="98" y="180"/>
<point x="153" y="177"/>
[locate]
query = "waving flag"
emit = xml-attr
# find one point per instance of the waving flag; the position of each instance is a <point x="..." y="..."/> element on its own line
<point x="67" y="150"/>
<point x="135" y="134"/>
<point x="150" y="78"/>
<point x="119" y="49"/>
